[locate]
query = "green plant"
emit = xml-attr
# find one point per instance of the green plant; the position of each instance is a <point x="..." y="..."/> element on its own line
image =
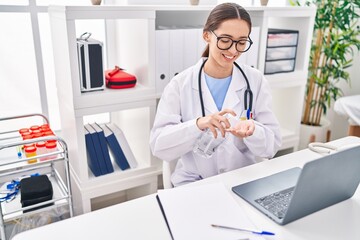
<point x="336" y="37"/>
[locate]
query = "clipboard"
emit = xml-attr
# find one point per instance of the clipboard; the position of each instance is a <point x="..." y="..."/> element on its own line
<point x="189" y="212"/>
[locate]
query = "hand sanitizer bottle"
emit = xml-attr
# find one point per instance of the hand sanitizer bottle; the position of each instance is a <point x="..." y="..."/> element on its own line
<point x="207" y="144"/>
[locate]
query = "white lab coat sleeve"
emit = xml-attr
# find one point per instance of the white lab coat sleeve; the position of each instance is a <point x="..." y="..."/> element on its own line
<point x="266" y="139"/>
<point x="170" y="137"/>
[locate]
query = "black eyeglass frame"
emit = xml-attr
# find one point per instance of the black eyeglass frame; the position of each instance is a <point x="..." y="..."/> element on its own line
<point x="233" y="41"/>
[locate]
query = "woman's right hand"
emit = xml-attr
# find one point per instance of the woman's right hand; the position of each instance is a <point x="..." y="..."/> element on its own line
<point x="216" y="120"/>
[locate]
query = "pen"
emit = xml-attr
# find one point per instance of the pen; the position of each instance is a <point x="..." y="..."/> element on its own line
<point x="244" y="230"/>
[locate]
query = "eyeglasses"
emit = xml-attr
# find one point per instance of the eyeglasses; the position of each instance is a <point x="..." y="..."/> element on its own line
<point x="225" y="43"/>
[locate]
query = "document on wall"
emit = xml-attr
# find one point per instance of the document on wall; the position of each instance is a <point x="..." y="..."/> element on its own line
<point x="190" y="211"/>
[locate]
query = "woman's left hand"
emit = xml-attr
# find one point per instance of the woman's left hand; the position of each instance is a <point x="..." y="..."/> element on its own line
<point x="243" y="128"/>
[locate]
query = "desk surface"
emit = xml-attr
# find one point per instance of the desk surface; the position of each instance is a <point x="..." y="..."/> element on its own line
<point x="142" y="219"/>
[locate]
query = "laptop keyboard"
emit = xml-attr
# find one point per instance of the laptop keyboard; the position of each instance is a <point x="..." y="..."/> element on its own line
<point x="277" y="203"/>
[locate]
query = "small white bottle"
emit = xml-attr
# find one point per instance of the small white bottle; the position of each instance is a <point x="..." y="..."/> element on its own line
<point x="206" y="145"/>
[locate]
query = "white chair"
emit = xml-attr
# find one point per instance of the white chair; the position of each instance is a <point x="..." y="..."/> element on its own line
<point x="168" y="169"/>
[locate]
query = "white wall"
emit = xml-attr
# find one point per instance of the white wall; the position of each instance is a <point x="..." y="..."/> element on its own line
<point x="19" y="92"/>
<point x="19" y="81"/>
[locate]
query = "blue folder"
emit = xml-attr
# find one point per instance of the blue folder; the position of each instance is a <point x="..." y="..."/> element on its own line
<point x="91" y="154"/>
<point x="104" y="147"/>
<point x="97" y="148"/>
<point x="115" y="148"/>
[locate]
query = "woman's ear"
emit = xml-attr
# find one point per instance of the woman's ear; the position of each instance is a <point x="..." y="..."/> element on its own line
<point x="206" y="36"/>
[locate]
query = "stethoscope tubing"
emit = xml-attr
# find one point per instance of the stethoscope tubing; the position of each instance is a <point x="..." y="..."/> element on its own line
<point x="247" y="95"/>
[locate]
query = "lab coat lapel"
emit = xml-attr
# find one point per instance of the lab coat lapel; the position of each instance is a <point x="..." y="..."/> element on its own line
<point x="233" y="95"/>
<point x="209" y="103"/>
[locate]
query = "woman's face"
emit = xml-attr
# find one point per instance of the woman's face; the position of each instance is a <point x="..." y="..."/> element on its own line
<point x="235" y="29"/>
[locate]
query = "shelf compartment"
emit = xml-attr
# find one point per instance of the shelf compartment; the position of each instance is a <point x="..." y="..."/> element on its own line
<point x="290" y="12"/>
<point x="100" y="12"/>
<point x="114" y="96"/>
<point x="13" y="210"/>
<point x="8" y="161"/>
<point x="119" y="175"/>
<point x="287" y="80"/>
<point x="109" y="184"/>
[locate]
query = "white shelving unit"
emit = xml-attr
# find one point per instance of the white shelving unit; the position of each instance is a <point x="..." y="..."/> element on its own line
<point x="130" y="43"/>
<point x="124" y="105"/>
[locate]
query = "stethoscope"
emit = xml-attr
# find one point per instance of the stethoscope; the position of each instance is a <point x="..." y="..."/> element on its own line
<point x="247" y="95"/>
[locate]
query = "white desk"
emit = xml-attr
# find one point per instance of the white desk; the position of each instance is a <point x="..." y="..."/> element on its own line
<point x="142" y="219"/>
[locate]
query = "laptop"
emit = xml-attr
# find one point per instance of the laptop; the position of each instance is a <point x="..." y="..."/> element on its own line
<point x="295" y="193"/>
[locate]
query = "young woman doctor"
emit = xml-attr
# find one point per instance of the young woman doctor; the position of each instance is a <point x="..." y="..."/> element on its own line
<point x="202" y="96"/>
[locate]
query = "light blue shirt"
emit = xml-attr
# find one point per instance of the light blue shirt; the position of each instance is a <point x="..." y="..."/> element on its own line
<point x="218" y="88"/>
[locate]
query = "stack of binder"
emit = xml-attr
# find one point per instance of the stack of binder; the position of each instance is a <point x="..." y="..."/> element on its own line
<point x="106" y="142"/>
<point x="176" y="50"/>
<point x="180" y="48"/>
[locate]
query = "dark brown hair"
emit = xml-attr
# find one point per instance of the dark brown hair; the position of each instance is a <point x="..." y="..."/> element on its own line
<point x="221" y="13"/>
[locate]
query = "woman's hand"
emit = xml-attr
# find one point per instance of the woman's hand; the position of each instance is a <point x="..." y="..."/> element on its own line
<point x="243" y="128"/>
<point x="216" y="120"/>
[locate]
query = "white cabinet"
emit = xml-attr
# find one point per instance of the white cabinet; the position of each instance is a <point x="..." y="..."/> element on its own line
<point x="131" y="43"/>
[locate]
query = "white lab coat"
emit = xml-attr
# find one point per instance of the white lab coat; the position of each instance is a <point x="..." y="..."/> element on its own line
<point x="175" y="131"/>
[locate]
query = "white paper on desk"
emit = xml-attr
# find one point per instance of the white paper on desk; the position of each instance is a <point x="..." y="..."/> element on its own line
<point x="190" y="211"/>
